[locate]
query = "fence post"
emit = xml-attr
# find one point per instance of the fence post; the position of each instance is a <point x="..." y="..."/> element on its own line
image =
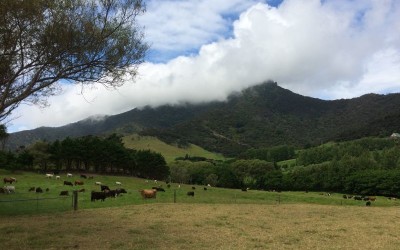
<point x="75" y="200"/>
<point x="174" y="195"/>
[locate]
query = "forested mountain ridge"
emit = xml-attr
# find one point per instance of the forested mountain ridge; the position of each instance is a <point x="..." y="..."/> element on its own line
<point x="260" y="116"/>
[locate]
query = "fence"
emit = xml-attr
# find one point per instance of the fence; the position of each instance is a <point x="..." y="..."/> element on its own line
<point x="22" y="205"/>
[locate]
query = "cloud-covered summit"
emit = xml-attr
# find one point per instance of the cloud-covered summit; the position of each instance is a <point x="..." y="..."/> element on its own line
<point x="327" y="49"/>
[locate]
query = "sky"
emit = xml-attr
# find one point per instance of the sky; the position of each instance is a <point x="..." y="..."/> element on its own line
<point x="203" y="50"/>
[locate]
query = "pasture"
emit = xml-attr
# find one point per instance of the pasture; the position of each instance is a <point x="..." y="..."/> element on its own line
<point x="207" y="226"/>
<point x="24" y="201"/>
<point x="169" y="152"/>
<point x="215" y="218"/>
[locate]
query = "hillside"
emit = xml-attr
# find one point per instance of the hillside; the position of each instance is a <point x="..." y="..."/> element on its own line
<point x="260" y="116"/>
<point x="170" y="152"/>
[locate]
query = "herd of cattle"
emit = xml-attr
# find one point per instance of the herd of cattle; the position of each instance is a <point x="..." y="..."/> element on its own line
<point x="102" y="194"/>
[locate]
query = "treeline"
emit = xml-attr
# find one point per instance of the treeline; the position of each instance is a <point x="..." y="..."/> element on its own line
<point x="87" y="154"/>
<point x="369" y="166"/>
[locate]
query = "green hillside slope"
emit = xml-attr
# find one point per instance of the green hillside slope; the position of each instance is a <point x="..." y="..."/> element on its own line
<point x="169" y="152"/>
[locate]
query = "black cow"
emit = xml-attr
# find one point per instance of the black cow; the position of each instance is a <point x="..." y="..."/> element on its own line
<point x="104" y="187"/>
<point x="368" y="203"/>
<point x="193" y="188"/>
<point x="244" y="189"/>
<point x="97" y="196"/>
<point x="110" y="193"/>
<point x="190" y="193"/>
<point x="39" y="190"/>
<point x="120" y="191"/>
<point x="205" y="189"/>
<point x="64" y="193"/>
<point x="68" y="183"/>
<point x="159" y="189"/>
<point x="83" y="176"/>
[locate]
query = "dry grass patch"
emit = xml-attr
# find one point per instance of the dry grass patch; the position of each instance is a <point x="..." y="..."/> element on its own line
<point x="207" y="226"/>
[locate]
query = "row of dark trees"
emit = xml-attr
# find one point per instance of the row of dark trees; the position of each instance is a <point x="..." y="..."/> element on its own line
<point x="88" y="154"/>
<point x="369" y="166"/>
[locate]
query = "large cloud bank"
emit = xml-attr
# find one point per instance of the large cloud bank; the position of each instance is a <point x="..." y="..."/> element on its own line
<point x="330" y="49"/>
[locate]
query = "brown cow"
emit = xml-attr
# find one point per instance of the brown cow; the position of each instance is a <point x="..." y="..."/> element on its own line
<point x="78" y="183"/>
<point x="148" y="193"/>
<point x="9" y="180"/>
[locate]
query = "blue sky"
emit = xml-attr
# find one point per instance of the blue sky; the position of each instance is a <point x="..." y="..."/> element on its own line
<point x="203" y="50"/>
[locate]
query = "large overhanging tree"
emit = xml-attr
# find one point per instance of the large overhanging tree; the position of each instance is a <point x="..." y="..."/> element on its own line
<point x="45" y="42"/>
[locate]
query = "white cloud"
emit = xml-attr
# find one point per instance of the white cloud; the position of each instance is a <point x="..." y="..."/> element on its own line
<point x="334" y="49"/>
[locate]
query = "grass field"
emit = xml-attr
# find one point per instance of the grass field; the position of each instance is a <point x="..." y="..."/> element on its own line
<point x="213" y="219"/>
<point x="25" y="202"/>
<point x="168" y="151"/>
<point x="207" y="226"/>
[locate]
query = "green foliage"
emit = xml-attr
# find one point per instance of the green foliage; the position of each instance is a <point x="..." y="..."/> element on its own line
<point x="43" y="42"/>
<point x="272" y="154"/>
<point x="364" y="166"/>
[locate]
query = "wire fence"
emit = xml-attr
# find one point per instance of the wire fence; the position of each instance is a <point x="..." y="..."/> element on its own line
<point x="18" y="206"/>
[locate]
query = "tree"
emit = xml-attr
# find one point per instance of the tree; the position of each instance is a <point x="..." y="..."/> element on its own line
<point x="3" y="135"/>
<point x="43" y="42"/>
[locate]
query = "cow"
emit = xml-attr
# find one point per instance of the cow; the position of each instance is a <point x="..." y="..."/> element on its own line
<point x="120" y="191"/>
<point x="118" y="183"/>
<point x="9" y="180"/>
<point x="368" y="203"/>
<point x="69" y="175"/>
<point x="68" y="183"/>
<point x="97" y="196"/>
<point x="358" y="198"/>
<point x="193" y="188"/>
<point x="205" y="189"/>
<point x="10" y="189"/>
<point x="97" y="183"/>
<point x="110" y="193"/>
<point x="64" y="193"/>
<point x="49" y="176"/>
<point x="159" y="189"/>
<point x="81" y="190"/>
<point x="190" y="193"/>
<point x="79" y="183"/>
<point x="148" y="193"/>
<point x="83" y="176"/>
<point x="31" y="189"/>
<point x="3" y="190"/>
<point x="58" y="177"/>
<point x="104" y="187"/>
<point x="244" y="189"/>
<point x="47" y="189"/>
<point x="39" y="190"/>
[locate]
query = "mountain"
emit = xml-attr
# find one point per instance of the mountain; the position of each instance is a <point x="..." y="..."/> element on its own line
<point x="260" y="116"/>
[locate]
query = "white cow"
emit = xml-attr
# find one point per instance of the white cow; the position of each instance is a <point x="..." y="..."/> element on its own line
<point x="58" y="177"/>
<point x="98" y="183"/>
<point x="69" y="175"/>
<point x="118" y="183"/>
<point x="9" y="189"/>
<point x="49" y="175"/>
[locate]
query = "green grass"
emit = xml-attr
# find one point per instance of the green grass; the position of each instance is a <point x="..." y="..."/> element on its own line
<point x="169" y="152"/>
<point x="54" y="203"/>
